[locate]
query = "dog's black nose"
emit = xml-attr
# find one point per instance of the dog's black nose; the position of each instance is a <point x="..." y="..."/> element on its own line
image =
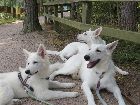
<point x="27" y="71"/>
<point x="87" y="57"/>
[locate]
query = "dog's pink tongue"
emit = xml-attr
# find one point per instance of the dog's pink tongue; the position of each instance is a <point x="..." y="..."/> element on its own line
<point x="90" y="64"/>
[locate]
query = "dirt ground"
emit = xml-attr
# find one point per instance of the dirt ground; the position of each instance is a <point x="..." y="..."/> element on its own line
<point x="12" y="43"/>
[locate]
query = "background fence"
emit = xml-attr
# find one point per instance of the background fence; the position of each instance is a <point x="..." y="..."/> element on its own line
<point x="85" y="14"/>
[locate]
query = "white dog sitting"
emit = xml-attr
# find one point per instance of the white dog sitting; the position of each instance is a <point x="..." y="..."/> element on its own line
<point x="97" y="72"/>
<point x="32" y="78"/>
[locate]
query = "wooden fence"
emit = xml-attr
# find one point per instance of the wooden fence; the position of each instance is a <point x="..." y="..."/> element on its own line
<point x="117" y="33"/>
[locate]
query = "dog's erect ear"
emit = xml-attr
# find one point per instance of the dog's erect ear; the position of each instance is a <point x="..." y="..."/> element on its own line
<point x="41" y="51"/>
<point x="26" y="53"/>
<point x="98" y="31"/>
<point x="112" y="46"/>
<point x="90" y="29"/>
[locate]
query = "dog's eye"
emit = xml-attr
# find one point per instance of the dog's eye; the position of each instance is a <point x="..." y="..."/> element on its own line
<point x="28" y="63"/>
<point x="98" y="50"/>
<point x="35" y="62"/>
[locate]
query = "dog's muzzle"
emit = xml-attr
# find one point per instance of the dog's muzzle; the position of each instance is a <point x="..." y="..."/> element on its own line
<point x="29" y="73"/>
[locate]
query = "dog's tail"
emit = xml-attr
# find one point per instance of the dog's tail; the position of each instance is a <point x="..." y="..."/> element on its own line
<point x="100" y="98"/>
<point x="50" y="52"/>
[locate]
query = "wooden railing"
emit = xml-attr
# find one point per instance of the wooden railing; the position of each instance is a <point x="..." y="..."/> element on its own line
<point x="117" y="33"/>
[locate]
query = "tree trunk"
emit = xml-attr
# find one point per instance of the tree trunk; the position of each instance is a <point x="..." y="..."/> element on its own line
<point x="128" y="16"/>
<point x="31" y="21"/>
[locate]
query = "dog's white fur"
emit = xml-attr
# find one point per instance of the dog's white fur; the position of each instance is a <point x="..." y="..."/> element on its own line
<point x="90" y="76"/>
<point x="71" y="67"/>
<point x="73" y="64"/>
<point x="70" y="50"/>
<point x="11" y="87"/>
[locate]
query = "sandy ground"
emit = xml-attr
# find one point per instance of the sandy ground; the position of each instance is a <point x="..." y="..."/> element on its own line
<point x="11" y="57"/>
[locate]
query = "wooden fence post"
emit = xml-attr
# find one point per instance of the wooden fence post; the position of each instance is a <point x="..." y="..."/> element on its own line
<point x="86" y="12"/>
<point x="46" y="12"/>
<point x="50" y="12"/>
<point x="61" y="10"/>
<point x="56" y="14"/>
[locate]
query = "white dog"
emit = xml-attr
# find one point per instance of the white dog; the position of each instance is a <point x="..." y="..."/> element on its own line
<point x="73" y="64"/>
<point x="33" y="78"/>
<point x="88" y="37"/>
<point x="97" y="72"/>
<point x="93" y="37"/>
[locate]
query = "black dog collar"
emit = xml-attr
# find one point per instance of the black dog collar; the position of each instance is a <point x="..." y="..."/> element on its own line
<point x="24" y="82"/>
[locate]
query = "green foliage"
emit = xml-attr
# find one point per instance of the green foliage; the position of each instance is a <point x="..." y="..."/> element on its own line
<point x="5" y="16"/>
<point x="104" y="13"/>
<point x="8" y="18"/>
<point x="12" y="3"/>
<point x="126" y="52"/>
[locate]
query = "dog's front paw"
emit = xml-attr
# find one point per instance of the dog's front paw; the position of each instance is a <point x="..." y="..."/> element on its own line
<point x="91" y="102"/>
<point x="125" y="73"/>
<point x="75" y="94"/>
<point x="71" y="85"/>
<point x="17" y="102"/>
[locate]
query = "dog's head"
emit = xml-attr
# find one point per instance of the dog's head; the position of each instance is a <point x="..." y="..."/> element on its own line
<point x="99" y="52"/>
<point x="90" y="36"/>
<point x="36" y="61"/>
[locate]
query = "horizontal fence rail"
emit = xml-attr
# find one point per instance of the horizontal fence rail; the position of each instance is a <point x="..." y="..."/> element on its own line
<point x="57" y="2"/>
<point x="117" y="33"/>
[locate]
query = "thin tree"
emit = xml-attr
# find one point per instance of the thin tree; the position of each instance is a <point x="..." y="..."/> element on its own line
<point x="31" y="21"/>
<point x="128" y="15"/>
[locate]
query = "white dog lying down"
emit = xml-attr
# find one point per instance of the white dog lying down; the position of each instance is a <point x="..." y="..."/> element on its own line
<point x="37" y="67"/>
<point x="97" y="72"/>
<point x="73" y="64"/>
<point x="88" y="37"/>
